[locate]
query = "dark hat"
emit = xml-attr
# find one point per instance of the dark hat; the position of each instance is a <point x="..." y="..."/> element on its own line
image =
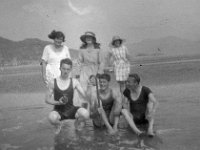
<point x="116" y="38"/>
<point x="88" y="34"/>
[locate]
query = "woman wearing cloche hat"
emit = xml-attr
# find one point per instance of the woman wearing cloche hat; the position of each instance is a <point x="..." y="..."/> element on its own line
<point x="89" y="58"/>
<point x="119" y="53"/>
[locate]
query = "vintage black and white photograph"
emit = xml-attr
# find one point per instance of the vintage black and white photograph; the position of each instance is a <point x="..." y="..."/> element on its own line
<point x="99" y="74"/>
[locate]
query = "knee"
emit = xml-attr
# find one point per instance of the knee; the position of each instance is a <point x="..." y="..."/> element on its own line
<point x="83" y="113"/>
<point x="54" y="117"/>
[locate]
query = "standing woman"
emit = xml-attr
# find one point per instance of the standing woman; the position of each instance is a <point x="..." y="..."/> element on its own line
<point x="89" y="57"/>
<point x="52" y="55"/>
<point x="121" y="63"/>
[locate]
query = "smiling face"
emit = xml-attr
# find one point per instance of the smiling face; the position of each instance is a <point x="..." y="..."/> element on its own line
<point x="104" y="84"/>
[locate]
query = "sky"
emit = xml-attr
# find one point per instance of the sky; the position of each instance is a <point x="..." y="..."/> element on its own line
<point x="133" y="20"/>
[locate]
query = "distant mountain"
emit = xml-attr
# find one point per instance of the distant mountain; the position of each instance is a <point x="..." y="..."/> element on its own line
<point x="165" y="46"/>
<point x="28" y="50"/>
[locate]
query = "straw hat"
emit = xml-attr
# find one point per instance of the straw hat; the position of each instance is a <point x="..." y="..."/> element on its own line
<point x="116" y="38"/>
<point x="88" y="34"/>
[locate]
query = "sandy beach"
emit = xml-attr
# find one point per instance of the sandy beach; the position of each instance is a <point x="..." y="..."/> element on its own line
<point x="23" y="113"/>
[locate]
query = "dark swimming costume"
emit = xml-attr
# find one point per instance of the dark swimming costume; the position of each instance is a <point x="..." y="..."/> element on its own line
<point x="138" y="107"/>
<point x="107" y="103"/>
<point x="68" y="110"/>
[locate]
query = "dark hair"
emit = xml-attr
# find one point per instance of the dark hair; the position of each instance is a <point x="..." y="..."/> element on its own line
<point x="56" y="34"/>
<point x="105" y="76"/>
<point x="66" y="61"/>
<point x="135" y="76"/>
<point x="113" y="43"/>
<point x="84" y="45"/>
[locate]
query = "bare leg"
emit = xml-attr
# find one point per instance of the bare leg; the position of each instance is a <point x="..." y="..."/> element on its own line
<point x="54" y="119"/>
<point x="114" y="116"/>
<point x="130" y="121"/>
<point x="106" y="122"/>
<point x="81" y="116"/>
<point x="116" y="121"/>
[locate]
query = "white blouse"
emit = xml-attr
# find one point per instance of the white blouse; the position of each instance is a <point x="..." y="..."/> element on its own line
<point x="53" y="59"/>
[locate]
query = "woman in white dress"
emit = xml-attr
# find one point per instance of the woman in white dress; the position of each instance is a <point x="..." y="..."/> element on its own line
<point x="121" y="60"/>
<point x="52" y="55"/>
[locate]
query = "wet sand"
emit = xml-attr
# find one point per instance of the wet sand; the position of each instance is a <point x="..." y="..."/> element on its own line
<point x="24" y="124"/>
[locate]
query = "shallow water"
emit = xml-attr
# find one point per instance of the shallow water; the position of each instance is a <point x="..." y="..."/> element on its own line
<point x="24" y="126"/>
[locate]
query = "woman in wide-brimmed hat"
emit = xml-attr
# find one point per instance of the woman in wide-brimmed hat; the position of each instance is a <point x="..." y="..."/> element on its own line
<point x="89" y="58"/>
<point x="119" y="53"/>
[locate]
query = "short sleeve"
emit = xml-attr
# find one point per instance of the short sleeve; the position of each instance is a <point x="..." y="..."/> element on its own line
<point x="147" y="90"/>
<point x="126" y="93"/>
<point x="75" y="82"/>
<point x="67" y="52"/>
<point x="45" y="54"/>
<point x="50" y="84"/>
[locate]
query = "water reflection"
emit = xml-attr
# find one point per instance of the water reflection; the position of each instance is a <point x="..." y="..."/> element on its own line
<point x="98" y="139"/>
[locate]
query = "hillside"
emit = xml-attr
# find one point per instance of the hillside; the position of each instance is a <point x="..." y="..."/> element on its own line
<point x="22" y="52"/>
<point x="29" y="51"/>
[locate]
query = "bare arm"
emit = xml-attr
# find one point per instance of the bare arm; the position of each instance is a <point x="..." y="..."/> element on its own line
<point x="50" y="100"/>
<point x="118" y="102"/>
<point x="44" y="60"/>
<point x="80" y="90"/>
<point x="128" y="55"/>
<point x="49" y="97"/>
<point x="109" y="60"/>
<point x="43" y="67"/>
<point x="152" y="104"/>
<point x="100" y="62"/>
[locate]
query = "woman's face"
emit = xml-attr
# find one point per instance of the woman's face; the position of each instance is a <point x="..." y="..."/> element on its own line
<point x="117" y="43"/>
<point x="89" y="40"/>
<point x="58" y="41"/>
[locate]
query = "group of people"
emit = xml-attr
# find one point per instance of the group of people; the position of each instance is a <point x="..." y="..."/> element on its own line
<point x="104" y="104"/>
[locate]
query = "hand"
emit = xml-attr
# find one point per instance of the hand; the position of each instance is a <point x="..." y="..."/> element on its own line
<point x="112" y="131"/>
<point x="61" y="101"/>
<point x="100" y="110"/>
